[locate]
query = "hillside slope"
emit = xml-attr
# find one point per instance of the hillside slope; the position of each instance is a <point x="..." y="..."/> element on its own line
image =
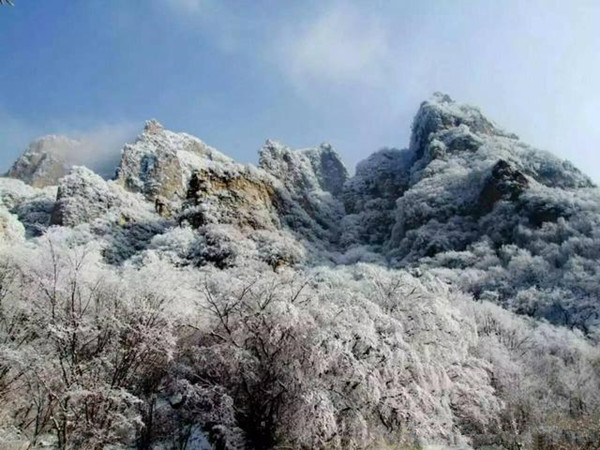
<point x="446" y="294"/>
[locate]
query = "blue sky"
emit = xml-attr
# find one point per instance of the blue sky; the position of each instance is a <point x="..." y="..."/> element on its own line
<point x="352" y="73"/>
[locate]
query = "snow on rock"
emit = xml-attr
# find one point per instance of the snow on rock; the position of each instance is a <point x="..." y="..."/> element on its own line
<point x="218" y="277"/>
<point x="45" y="161"/>
<point x="236" y="196"/>
<point x="10" y="227"/>
<point x="121" y="222"/>
<point x="307" y="169"/>
<point x="370" y="196"/>
<point x="464" y="167"/>
<point x="32" y="206"/>
<point x="292" y="189"/>
<point x="82" y="197"/>
<point x="471" y="185"/>
<point x="160" y="162"/>
<point x="462" y="184"/>
<point x="313" y="180"/>
<point x="441" y="113"/>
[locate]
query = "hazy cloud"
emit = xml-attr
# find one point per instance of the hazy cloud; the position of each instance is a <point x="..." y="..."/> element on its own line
<point x="100" y="147"/>
<point x="188" y="6"/>
<point x="350" y="72"/>
<point x="532" y="67"/>
<point x="341" y="44"/>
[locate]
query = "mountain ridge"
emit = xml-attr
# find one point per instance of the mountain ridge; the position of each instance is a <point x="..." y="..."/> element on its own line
<point x="446" y="293"/>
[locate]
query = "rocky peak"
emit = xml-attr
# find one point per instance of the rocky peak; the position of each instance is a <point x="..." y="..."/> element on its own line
<point x="329" y="168"/>
<point x="45" y="161"/>
<point x="440" y="114"/>
<point x="160" y="163"/>
<point x="318" y="168"/>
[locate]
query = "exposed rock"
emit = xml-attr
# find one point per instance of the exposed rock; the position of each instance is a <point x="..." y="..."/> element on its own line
<point x="463" y="184"/>
<point x="305" y="170"/>
<point x="550" y="213"/>
<point x="441" y="113"/>
<point x="160" y="162"/>
<point x="82" y="197"/>
<point x="45" y="161"/>
<point x="235" y="197"/>
<point x="329" y="169"/>
<point x="462" y="166"/>
<point x="312" y="179"/>
<point x="504" y="182"/>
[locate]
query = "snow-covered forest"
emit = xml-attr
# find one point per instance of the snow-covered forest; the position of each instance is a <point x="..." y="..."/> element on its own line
<point x="445" y="294"/>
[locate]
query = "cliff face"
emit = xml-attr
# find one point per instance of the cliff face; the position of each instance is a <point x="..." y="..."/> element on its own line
<point x="195" y="183"/>
<point x="238" y="197"/>
<point x="311" y="169"/>
<point x="311" y="182"/>
<point x="160" y="163"/>
<point x="483" y="210"/>
<point x="443" y="193"/>
<point x="370" y="196"/>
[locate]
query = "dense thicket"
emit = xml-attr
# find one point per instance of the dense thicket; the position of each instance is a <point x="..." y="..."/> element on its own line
<point x="356" y="357"/>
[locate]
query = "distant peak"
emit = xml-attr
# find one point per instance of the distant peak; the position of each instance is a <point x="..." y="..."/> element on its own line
<point x="53" y="144"/>
<point x="46" y="160"/>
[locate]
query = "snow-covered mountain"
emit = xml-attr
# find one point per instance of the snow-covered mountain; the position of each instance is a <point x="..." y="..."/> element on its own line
<point x="485" y="211"/>
<point x="46" y="161"/>
<point x="445" y="294"/>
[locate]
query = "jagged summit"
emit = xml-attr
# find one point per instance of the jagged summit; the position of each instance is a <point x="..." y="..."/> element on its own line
<point x="318" y="167"/>
<point x="440" y="113"/>
<point x="161" y="162"/>
<point x="45" y="161"/>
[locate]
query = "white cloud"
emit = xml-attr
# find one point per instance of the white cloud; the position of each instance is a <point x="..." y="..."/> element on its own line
<point x="339" y="45"/>
<point x="101" y="145"/>
<point x="188" y="6"/>
<point x="213" y="20"/>
<point x="531" y="66"/>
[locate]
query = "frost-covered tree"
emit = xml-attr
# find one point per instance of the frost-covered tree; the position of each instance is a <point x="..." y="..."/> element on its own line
<point x="81" y="352"/>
